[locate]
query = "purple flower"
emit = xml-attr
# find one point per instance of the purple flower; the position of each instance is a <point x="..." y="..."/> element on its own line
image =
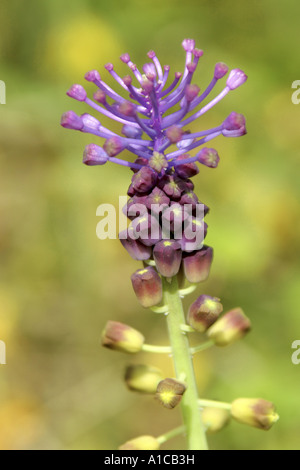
<point x="154" y="124"/>
<point x="70" y="120"/>
<point x="94" y="155"/>
<point x="236" y="78"/>
<point x="234" y="125"/>
<point x="150" y="109"/>
<point x="77" y="92"/>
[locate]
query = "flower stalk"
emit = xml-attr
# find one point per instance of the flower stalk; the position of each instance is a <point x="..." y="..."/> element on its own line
<point x="167" y="229"/>
<point x="183" y="364"/>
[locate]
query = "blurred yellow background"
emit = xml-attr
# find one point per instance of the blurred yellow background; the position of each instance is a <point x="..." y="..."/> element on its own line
<point x="60" y="284"/>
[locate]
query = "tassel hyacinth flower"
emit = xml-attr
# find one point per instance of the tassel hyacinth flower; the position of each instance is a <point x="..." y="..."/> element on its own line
<point x="166" y="222"/>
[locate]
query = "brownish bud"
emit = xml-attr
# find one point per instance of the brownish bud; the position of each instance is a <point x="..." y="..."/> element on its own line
<point x="255" y="412"/>
<point x="169" y="392"/>
<point x="204" y="312"/>
<point x="121" y="337"/>
<point x="233" y="326"/>
<point x="197" y="264"/>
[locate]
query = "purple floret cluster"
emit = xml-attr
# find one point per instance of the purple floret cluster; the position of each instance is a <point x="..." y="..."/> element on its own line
<point x="165" y="214"/>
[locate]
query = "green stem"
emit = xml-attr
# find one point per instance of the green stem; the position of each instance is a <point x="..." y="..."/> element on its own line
<point x="169" y="435"/>
<point x="214" y="404"/>
<point x="183" y="364"/>
<point x="156" y="349"/>
<point x="202" y="347"/>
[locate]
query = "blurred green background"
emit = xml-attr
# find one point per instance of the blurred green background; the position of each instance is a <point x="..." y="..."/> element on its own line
<point x="60" y="284"/>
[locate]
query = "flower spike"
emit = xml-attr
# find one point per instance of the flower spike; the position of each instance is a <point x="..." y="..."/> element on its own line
<point x="166" y="226"/>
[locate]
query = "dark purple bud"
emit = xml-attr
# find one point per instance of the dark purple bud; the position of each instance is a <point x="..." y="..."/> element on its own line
<point x="140" y="161"/>
<point x="77" y="92"/>
<point x="197" y="264"/>
<point x="221" y="70"/>
<point x="194" y="233"/>
<point x="132" y="132"/>
<point x="173" y="218"/>
<point x="172" y="186"/>
<point x="71" y="120"/>
<point x="140" y="200"/>
<point x="113" y="146"/>
<point x="135" y="207"/>
<point x="131" y="191"/>
<point x="147" y="286"/>
<point x="94" y="155"/>
<point x="135" y="248"/>
<point x="191" y="91"/>
<point x="236" y="78"/>
<point x="188" y="45"/>
<point x="154" y="235"/>
<point x="186" y="170"/>
<point x="167" y="255"/>
<point x="146" y="228"/>
<point x="140" y="225"/>
<point x="92" y="76"/>
<point x="204" y="312"/>
<point x="155" y="199"/>
<point x="188" y="185"/>
<point x="234" y="125"/>
<point x="208" y="157"/>
<point x="144" y="180"/>
<point x="189" y="198"/>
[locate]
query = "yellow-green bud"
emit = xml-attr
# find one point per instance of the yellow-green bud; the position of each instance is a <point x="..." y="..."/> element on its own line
<point x="141" y="443"/>
<point x="254" y="412"/>
<point x="215" y="419"/>
<point x="122" y="338"/>
<point x="233" y="326"/>
<point x="143" y="378"/>
<point x="169" y="392"/>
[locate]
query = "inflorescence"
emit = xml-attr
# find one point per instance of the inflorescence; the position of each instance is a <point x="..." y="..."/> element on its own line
<point x="150" y="126"/>
<point x="166" y="218"/>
